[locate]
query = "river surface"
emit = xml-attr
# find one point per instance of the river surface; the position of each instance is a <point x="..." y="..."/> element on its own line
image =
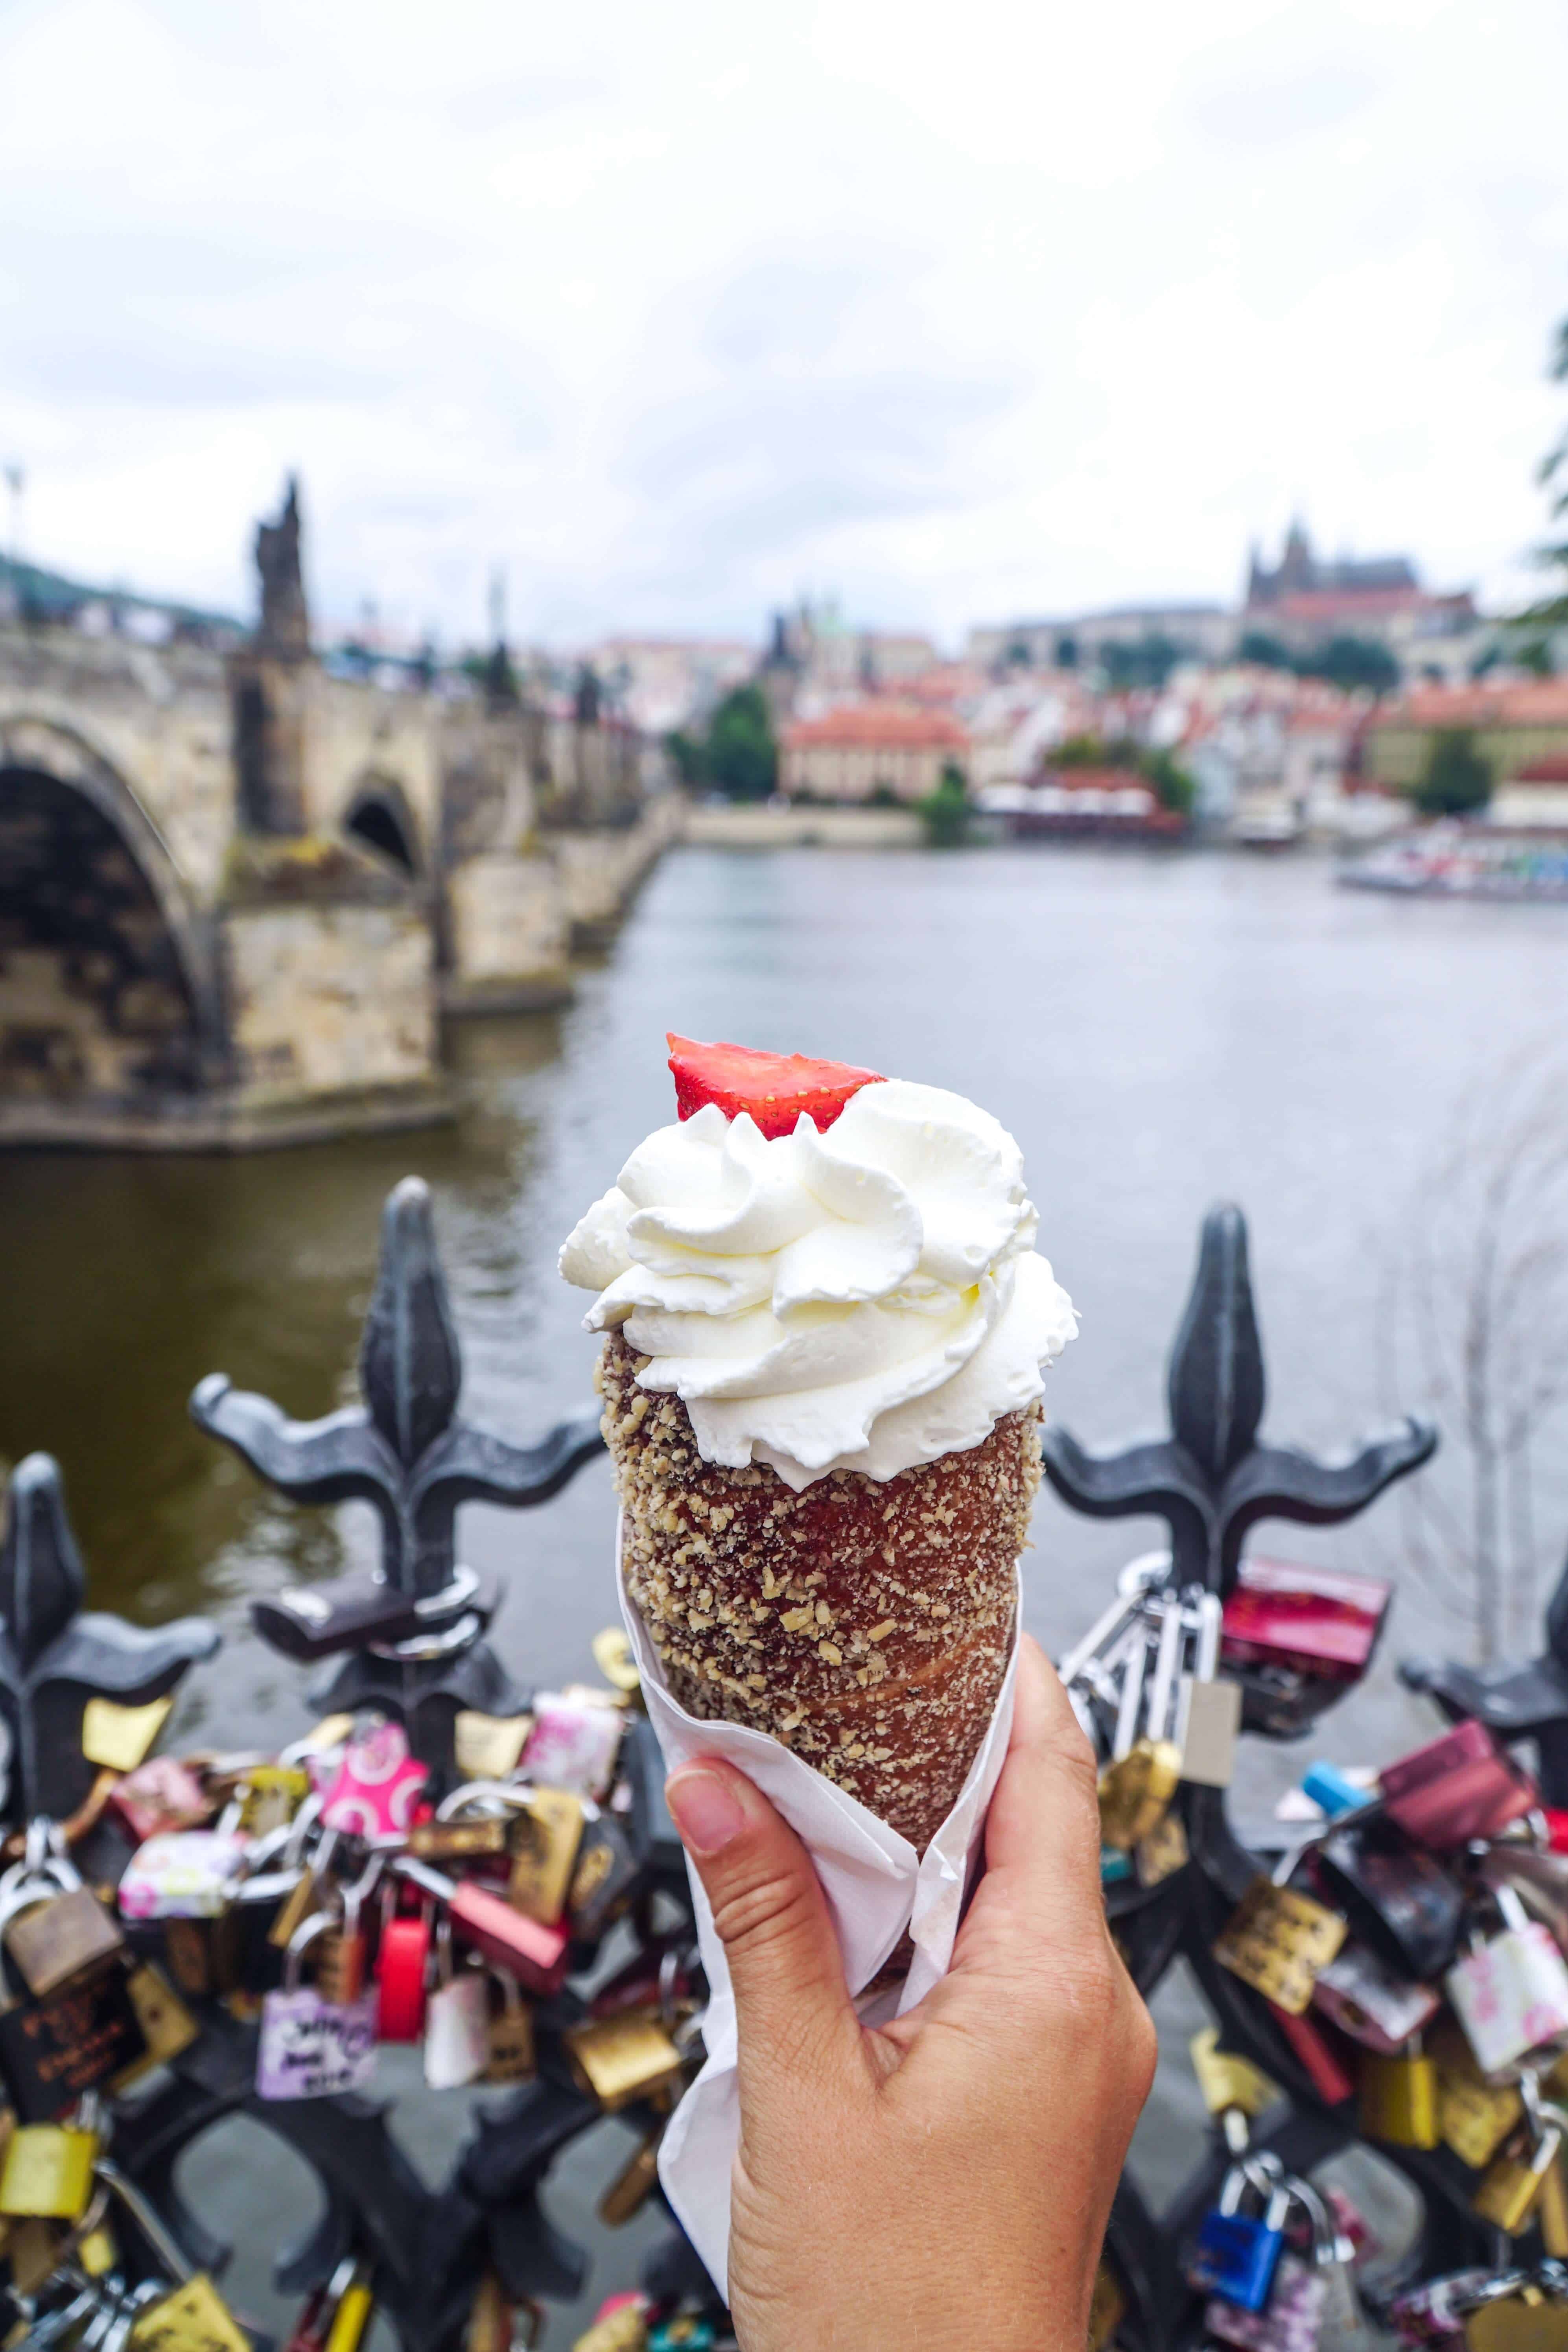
<point x="1159" y="1031"/>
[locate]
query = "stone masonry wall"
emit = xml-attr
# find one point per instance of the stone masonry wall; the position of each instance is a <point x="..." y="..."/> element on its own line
<point x="330" y="1000"/>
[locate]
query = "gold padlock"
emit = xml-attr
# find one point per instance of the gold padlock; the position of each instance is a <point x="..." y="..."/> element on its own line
<point x="1474" y="2116"/>
<point x="270" y="1795"/>
<point x="356" y="2309"/>
<point x="1512" y="2182"/>
<point x="1529" y="2322"/>
<point x="1228" y="2080"/>
<point x="623" y="2330"/>
<point x="1399" y="2099"/>
<point x="459" y="1841"/>
<point x="34" y="2247"/>
<point x="512" y="2058"/>
<point x="193" y="2318"/>
<point x="1552" y="2212"/>
<point x="61" y="1937"/>
<point x="47" y="2173"/>
<point x="1277" y="1941"/>
<point x="97" y="2252"/>
<point x="1107" y="2308"/>
<point x="612" y="1656"/>
<point x="302" y="1898"/>
<point x="623" y="2058"/>
<point x="1135" y="1792"/>
<point x="487" y="1746"/>
<point x="544" y="1841"/>
<point x="1163" y="1853"/>
<point x="120" y="1738"/>
<point x="634" y="2183"/>
<point x="167" y="2026"/>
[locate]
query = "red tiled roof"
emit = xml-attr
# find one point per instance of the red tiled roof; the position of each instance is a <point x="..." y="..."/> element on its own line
<point x="878" y="727"/>
<point x="1539" y="702"/>
<point x="1554" y="770"/>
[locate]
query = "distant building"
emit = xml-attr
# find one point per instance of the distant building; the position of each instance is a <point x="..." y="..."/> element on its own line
<point x="1536" y="797"/>
<point x="1514" y="725"/>
<point x="660" y="683"/>
<point x="861" y="749"/>
<point x="1304" y="602"/>
<point x="1199" y="632"/>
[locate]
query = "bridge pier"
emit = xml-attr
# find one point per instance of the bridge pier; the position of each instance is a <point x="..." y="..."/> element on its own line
<point x="238" y="895"/>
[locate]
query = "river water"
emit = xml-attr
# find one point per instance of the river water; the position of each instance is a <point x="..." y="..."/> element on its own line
<point x="1159" y="1031"/>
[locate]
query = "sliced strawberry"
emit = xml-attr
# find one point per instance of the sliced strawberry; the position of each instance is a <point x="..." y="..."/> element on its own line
<point x="773" y="1088"/>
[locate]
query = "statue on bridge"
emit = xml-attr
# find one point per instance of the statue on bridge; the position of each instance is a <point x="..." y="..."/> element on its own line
<point x="285" y="620"/>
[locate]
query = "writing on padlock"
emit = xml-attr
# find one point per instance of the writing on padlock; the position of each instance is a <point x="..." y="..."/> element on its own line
<point x="56" y="2048"/>
<point x="310" y="2047"/>
<point x="1277" y="1941"/>
<point x="510" y="2034"/>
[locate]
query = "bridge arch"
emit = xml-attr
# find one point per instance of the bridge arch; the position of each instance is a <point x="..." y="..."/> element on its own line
<point x="108" y="980"/>
<point x="379" y="815"/>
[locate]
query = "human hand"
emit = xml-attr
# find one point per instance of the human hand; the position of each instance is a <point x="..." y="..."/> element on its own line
<point x="944" y="2180"/>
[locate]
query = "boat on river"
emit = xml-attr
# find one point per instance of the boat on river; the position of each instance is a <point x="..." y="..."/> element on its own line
<point x="1450" y="860"/>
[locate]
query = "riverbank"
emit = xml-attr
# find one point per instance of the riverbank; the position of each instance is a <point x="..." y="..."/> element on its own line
<point x="736" y="825"/>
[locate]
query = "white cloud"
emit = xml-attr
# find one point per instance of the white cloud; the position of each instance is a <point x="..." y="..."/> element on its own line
<point x="677" y="310"/>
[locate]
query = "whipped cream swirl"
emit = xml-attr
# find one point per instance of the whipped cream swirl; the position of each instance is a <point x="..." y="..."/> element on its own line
<point x="863" y="1299"/>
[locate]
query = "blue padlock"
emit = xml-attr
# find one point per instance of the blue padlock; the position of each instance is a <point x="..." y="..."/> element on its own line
<point x="1236" y="2254"/>
<point x="1113" y="1866"/>
<point x="1332" y="1790"/>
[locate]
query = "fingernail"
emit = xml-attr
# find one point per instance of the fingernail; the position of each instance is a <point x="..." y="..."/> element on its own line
<point x="705" y="1809"/>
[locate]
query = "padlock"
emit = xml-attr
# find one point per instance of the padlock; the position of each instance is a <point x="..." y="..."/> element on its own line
<point x="1322" y="1623"/>
<point x="55" y="2049"/>
<point x="573" y="1744"/>
<point x="1228" y="2083"/>
<point x="1208" y="1721"/>
<point x="620" y="2059"/>
<point x="167" y="2026"/>
<point x="192" y="2317"/>
<point x="1277" y="1941"/>
<point x="1513" y="2181"/>
<point x="510" y="2034"/>
<point x="487" y="1746"/>
<point x="620" y="2325"/>
<point x="604" y="1877"/>
<point x="1539" y="1879"/>
<point x="634" y="2183"/>
<point x="1524" y="2321"/>
<point x="537" y="1955"/>
<point x="1474" y="2116"/>
<point x="402" y="1961"/>
<point x="1460" y="1787"/>
<point x="374" y="1792"/>
<point x="310" y="2047"/>
<point x="315" y="1621"/>
<point x="183" y="1874"/>
<point x="1340" y="2321"/>
<point x="478" y="1840"/>
<point x="47" y="2172"/>
<point x="456" y="2021"/>
<point x="1235" y="2255"/>
<point x="162" y="1794"/>
<point x="1509" y="1991"/>
<point x="1135" y="1792"/>
<point x="1163" y="1853"/>
<point x="1368" y="2001"/>
<point x="1399" y="2097"/>
<point x="1107" y="2307"/>
<point x="269" y="1796"/>
<point x="545" y="1836"/>
<point x="1332" y="1791"/>
<point x="343" y="1956"/>
<point x="61" y="1938"/>
<point x="118" y="1738"/>
<point x="1315" y="2054"/>
<point x="1398" y="1899"/>
<point x="1289" y="2320"/>
<point x="354" y="2310"/>
<point x="1551" y="2210"/>
<point x="488" y="2327"/>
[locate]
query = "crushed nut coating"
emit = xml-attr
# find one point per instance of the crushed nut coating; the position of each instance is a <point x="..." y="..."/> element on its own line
<point x="864" y="1623"/>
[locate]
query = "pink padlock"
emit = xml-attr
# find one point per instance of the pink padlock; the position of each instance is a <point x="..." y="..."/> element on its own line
<point x="574" y="1744"/>
<point x="1510" y="1992"/>
<point x="1460" y="1787"/>
<point x="374" y="1789"/>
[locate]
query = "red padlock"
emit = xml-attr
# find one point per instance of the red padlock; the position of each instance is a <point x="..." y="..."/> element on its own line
<point x="402" y="1961"/>
<point x="1316" y="2055"/>
<point x="538" y="1956"/>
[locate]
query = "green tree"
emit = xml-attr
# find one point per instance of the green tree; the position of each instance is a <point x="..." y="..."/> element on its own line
<point x="946" y="812"/>
<point x="1351" y="662"/>
<point x="1067" y="652"/>
<point x="1455" y="780"/>
<point x="1174" y="788"/>
<point x="1268" y="653"/>
<point x="1080" y="752"/>
<point x="688" y="757"/>
<point x="1149" y="661"/>
<point x="741" y="756"/>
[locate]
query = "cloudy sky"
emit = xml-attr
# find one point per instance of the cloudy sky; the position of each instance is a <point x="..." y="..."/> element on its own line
<point x="681" y="310"/>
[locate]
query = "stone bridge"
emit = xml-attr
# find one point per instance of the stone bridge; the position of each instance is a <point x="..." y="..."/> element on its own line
<point x="239" y="894"/>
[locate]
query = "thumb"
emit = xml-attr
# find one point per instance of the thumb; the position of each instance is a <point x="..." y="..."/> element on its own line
<point x="792" y="2008"/>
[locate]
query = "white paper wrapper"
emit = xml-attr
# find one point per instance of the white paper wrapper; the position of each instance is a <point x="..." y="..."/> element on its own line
<point x="877" y="1886"/>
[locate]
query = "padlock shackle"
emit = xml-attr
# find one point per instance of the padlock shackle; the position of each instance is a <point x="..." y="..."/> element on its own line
<point x="146" y="2215"/>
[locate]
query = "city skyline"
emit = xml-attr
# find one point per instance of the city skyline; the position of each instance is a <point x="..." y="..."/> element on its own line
<point x="1035" y="317"/>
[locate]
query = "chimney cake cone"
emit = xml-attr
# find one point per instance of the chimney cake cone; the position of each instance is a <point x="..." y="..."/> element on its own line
<point x="821" y="1374"/>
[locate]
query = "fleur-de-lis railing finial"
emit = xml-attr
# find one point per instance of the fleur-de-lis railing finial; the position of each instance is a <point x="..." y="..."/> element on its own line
<point x="404" y="1451"/>
<point x="55" y="1655"/>
<point x="1211" y="1479"/>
